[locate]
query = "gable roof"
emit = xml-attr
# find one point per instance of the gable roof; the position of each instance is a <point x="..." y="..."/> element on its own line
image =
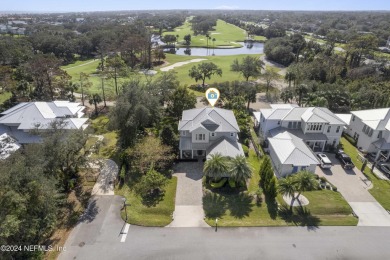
<point x="377" y="119"/>
<point x="29" y="115"/>
<point x="213" y="119"/>
<point x="275" y="113"/>
<point x="225" y="147"/>
<point x="292" y="150"/>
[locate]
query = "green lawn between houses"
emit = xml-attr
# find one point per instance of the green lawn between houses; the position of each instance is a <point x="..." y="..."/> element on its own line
<point x="140" y="214"/>
<point x="381" y="188"/>
<point x="326" y="208"/>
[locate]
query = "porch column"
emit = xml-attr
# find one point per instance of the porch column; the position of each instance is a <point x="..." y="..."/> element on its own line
<point x="181" y="154"/>
<point x="323" y="146"/>
<point x="192" y="154"/>
<point x="377" y="155"/>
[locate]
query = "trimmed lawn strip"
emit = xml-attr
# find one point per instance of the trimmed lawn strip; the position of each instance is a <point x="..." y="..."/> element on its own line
<point x="381" y="188"/>
<point x="157" y="216"/>
<point x="255" y="164"/>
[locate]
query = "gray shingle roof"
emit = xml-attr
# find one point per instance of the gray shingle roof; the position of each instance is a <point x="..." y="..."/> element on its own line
<point x="221" y="120"/>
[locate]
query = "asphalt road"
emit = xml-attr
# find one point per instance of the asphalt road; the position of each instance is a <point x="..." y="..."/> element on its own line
<point x="99" y="235"/>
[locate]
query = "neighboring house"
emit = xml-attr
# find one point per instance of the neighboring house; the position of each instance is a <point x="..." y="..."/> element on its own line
<point x="291" y="134"/>
<point x="371" y="129"/>
<point x="207" y="131"/>
<point x="8" y="145"/>
<point x="318" y="127"/>
<point x="290" y="154"/>
<point x="26" y="120"/>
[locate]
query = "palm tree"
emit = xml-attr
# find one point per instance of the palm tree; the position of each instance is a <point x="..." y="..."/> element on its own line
<point x="95" y="99"/>
<point x="239" y="169"/>
<point x="301" y="91"/>
<point x="289" y="77"/>
<point x="216" y="166"/>
<point x="287" y="187"/>
<point x="304" y="181"/>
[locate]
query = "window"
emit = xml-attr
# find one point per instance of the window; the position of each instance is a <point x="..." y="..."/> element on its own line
<point x="299" y="124"/>
<point x="370" y="132"/>
<point x="320" y="127"/>
<point x="212" y="134"/>
<point x="353" y="118"/>
<point x="200" y="137"/>
<point x="329" y="127"/>
<point x="294" y="125"/>
<point x="338" y="129"/>
<point x="278" y="122"/>
<point x="289" y="125"/>
<point x="380" y="134"/>
<point x="364" y="128"/>
<point x="183" y="133"/>
<point x="231" y="134"/>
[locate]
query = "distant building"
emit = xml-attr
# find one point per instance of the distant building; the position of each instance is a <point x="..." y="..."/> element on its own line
<point x="25" y="121"/>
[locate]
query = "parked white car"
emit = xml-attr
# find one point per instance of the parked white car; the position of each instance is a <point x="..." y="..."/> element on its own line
<point x="324" y="161"/>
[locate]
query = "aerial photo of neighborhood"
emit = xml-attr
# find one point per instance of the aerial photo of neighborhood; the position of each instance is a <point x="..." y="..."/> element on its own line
<point x="194" y="130"/>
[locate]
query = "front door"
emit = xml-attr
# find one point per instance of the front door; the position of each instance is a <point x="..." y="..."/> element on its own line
<point x="295" y="169"/>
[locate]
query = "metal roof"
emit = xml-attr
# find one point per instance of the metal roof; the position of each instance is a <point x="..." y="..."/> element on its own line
<point x="29" y="115"/>
<point x="292" y="150"/>
<point x="217" y="119"/>
<point x="377" y="119"/>
<point x="225" y="147"/>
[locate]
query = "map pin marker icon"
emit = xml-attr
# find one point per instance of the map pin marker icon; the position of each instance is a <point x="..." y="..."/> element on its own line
<point x="212" y="95"/>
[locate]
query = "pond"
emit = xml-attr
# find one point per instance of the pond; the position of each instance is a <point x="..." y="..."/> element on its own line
<point x="248" y="48"/>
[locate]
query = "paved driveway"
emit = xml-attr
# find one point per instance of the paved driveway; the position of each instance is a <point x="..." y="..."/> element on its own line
<point x="105" y="183"/>
<point x="353" y="185"/>
<point x="188" y="203"/>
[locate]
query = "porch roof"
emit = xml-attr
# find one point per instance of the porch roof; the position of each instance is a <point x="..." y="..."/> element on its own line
<point x="298" y="133"/>
<point x="382" y="144"/>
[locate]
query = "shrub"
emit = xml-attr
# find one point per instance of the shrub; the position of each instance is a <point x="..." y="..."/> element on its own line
<point x="245" y="149"/>
<point x="350" y="139"/>
<point x="323" y="179"/>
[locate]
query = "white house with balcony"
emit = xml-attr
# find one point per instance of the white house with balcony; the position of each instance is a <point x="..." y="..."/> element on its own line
<point x="371" y="129"/>
<point x="289" y="131"/>
<point x="207" y="131"/>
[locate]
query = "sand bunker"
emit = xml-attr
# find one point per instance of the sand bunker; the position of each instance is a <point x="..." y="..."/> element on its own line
<point x="179" y="64"/>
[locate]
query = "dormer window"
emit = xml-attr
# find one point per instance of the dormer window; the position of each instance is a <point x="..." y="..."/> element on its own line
<point x="213" y="134"/>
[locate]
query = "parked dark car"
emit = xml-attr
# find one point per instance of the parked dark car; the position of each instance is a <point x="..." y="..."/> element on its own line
<point x="385" y="168"/>
<point x="345" y="160"/>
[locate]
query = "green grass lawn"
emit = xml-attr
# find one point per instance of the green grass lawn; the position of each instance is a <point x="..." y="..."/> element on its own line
<point x="4" y="96"/>
<point x="159" y="215"/>
<point x="381" y="188"/>
<point x="242" y="209"/>
<point x="224" y="62"/>
<point x="225" y="35"/>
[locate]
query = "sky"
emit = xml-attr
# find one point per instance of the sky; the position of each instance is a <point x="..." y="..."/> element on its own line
<point x="116" y="5"/>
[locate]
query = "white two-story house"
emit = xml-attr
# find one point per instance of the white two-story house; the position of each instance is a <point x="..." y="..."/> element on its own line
<point x="371" y="129"/>
<point x="290" y="131"/>
<point x="207" y="131"/>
